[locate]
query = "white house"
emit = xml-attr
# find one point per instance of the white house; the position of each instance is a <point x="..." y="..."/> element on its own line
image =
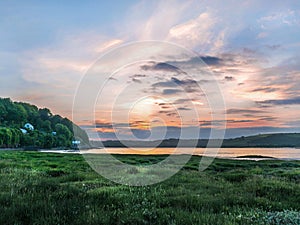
<point x="23" y="131"/>
<point x="75" y="142"/>
<point x="28" y="126"/>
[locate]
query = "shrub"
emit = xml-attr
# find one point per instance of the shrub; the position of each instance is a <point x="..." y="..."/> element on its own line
<point x="287" y="217"/>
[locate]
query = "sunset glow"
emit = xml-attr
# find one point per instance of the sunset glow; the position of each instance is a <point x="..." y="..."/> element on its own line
<point x="252" y="55"/>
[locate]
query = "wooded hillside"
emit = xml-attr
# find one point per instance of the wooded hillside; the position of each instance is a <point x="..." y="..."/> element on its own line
<point x="48" y="130"/>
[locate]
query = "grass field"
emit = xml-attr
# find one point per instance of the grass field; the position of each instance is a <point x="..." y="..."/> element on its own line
<point x="49" y="188"/>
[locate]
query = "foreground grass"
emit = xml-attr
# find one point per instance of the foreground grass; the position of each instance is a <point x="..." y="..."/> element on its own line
<point x="48" y="188"/>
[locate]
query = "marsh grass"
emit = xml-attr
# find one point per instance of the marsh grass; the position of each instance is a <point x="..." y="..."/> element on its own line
<point x="49" y="188"/>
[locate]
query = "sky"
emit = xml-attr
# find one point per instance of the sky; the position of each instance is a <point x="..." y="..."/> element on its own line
<point x="249" y="50"/>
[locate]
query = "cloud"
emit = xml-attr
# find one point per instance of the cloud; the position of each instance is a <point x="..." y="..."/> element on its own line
<point x="164" y="104"/>
<point x="266" y="89"/>
<point x="165" y="84"/>
<point x="171" y="114"/>
<point x="175" y="82"/>
<point x="153" y="20"/>
<point x="239" y="121"/>
<point x="241" y="111"/>
<point x="184" y="82"/>
<point x="268" y="118"/>
<point x="184" y="108"/>
<point x="181" y="101"/>
<point x="112" y="78"/>
<point x="211" y="60"/>
<point x="138" y="76"/>
<point x="101" y="124"/>
<point x="210" y="123"/>
<point x="229" y="78"/>
<point x="274" y="47"/>
<point x="293" y="123"/>
<point x="136" y="80"/>
<point x="56" y="69"/>
<point x="282" y="17"/>
<point x="199" y="62"/>
<point x="175" y="85"/>
<point x="206" y="27"/>
<point x="109" y="44"/>
<point x="251" y="121"/>
<point x="288" y="101"/>
<point x="199" y="31"/>
<point x="171" y="91"/>
<point x="70" y="57"/>
<point x="161" y="67"/>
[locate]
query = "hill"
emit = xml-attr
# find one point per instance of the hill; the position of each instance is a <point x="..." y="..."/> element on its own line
<point x="265" y="140"/>
<point x="23" y="125"/>
<point x="261" y="140"/>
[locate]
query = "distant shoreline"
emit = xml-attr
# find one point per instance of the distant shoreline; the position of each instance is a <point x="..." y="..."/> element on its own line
<point x="138" y="146"/>
<point x="251" y="157"/>
<point x="241" y="157"/>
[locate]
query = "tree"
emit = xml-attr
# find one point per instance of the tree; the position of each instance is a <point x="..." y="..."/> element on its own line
<point x="46" y="126"/>
<point x="16" y="137"/>
<point x="55" y="120"/>
<point x="48" y="141"/>
<point x="64" y="135"/>
<point x="5" y="136"/>
<point x="32" y="112"/>
<point x="45" y="113"/>
<point x="3" y="113"/>
<point x="21" y="114"/>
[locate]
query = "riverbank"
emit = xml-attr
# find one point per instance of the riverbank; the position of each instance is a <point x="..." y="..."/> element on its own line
<point x="228" y="153"/>
<point x="49" y="188"/>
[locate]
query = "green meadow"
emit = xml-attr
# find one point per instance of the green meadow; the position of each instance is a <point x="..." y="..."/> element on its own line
<point x="50" y="188"/>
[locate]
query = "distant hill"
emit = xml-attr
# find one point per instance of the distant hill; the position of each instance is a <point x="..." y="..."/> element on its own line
<point x="265" y="140"/>
<point x="261" y="140"/>
<point x="23" y="124"/>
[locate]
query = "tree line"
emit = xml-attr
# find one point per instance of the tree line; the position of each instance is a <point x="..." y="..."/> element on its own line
<point x="49" y="130"/>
